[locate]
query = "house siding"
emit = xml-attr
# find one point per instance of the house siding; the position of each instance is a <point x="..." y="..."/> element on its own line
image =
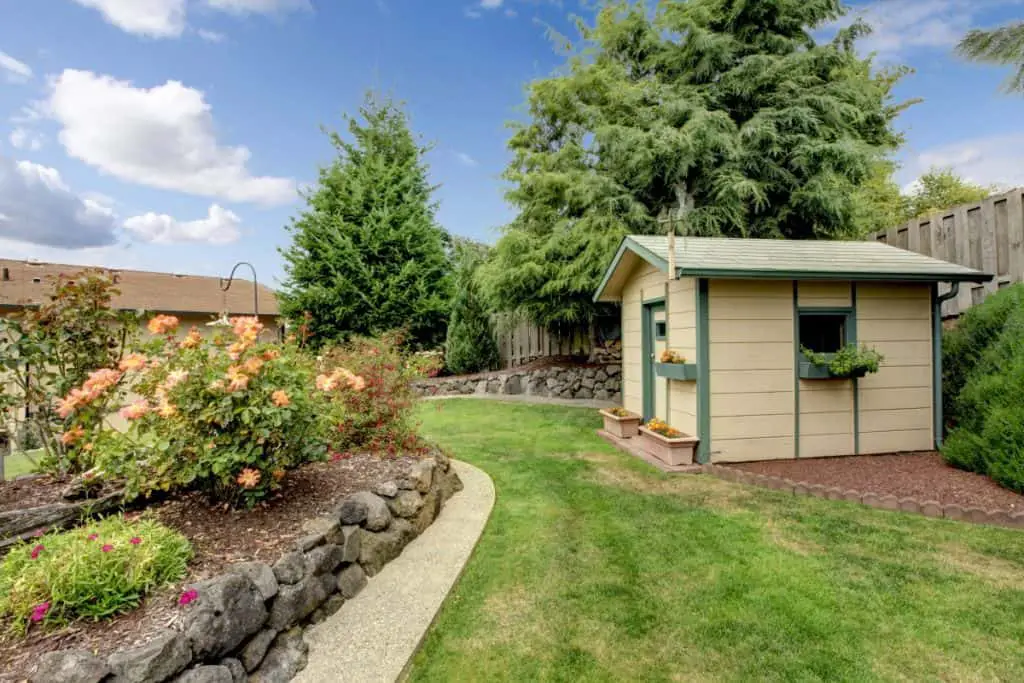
<point x="682" y="337"/>
<point x="645" y="282"/>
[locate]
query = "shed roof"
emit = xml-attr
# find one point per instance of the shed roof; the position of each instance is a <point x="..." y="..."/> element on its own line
<point x="28" y="283"/>
<point x="725" y="257"/>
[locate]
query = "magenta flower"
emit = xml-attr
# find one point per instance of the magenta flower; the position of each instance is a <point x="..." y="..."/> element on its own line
<point x="136" y="540"/>
<point x="93" y="537"/>
<point x="39" y="612"/>
<point x="107" y="548"/>
<point x="39" y="533"/>
<point x="188" y="596"/>
<point x="38" y="549"/>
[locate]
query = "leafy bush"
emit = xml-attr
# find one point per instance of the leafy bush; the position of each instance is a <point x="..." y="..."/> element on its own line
<point x="377" y="416"/>
<point x="470" y="346"/>
<point x="228" y="415"/>
<point x="92" y="572"/>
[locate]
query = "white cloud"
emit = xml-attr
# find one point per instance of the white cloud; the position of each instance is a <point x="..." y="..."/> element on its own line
<point x="466" y="160"/>
<point x="161" y="137"/>
<point x="259" y="6"/>
<point x="153" y="18"/>
<point x="22" y="138"/>
<point x="491" y="4"/>
<point x="219" y="227"/>
<point x="15" y="71"/>
<point x="992" y="160"/>
<point x="39" y="208"/>
<point x="473" y="13"/>
<point x="211" y="36"/>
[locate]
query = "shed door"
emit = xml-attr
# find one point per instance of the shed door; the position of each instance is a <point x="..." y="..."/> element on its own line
<point x="655" y="341"/>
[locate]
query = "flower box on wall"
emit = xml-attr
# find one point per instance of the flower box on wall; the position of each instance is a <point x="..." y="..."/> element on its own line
<point x="809" y="370"/>
<point x="679" y="371"/>
<point x="622" y="426"/>
<point x="670" y="450"/>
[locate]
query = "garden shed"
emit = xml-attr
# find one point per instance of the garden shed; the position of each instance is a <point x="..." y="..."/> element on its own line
<point x="739" y="314"/>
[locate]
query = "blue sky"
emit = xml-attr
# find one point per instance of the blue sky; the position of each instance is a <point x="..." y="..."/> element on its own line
<point x="172" y="134"/>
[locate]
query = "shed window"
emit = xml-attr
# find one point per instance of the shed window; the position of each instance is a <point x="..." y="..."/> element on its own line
<point x="660" y="330"/>
<point x="823" y="333"/>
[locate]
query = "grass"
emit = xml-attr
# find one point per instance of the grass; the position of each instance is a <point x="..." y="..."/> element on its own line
<point x="595" y="566"/>
<point x="19" y="464"/>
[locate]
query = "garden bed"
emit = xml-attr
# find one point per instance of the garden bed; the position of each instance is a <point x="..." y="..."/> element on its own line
<point x="923" y="476"/>
<point x="219" y="538"/>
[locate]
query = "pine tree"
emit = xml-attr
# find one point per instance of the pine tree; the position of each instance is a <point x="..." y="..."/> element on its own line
<point x="471" y="346"/>
<point x="1003" y="45"/>
<point x="731" y="105"/>
<point x="367" y="255"/>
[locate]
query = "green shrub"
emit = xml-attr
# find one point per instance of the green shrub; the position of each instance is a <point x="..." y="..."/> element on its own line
<point x="470" y="346"/>
<point x="848" y="361"/>
<point x="92" y="572"/>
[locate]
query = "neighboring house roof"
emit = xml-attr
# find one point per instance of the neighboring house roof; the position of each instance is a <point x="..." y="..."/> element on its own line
<point x="27" y="283"/>
<point x="723" y="257"/>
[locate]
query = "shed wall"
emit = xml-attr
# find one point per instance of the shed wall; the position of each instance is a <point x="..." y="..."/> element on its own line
<point x="682" y="337"/>
<point x="645" y="282"/>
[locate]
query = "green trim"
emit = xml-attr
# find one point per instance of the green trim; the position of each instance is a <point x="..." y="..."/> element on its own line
<point x="938" y="425"/>
<point x="654" y="300"/>
<point x="703" y="373"/>
<point x="647" y="338"/>
<point x="629" y="245"/>
<point x="862" y="276"/>
<point x="851" y="332"/>
<point x="684" y="372"/>
<point x="797" y="357"/>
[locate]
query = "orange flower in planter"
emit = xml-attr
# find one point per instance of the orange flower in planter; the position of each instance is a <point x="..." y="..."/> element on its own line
<point x="659" y="427"/>
<point x="249" y="478"/>
<point x="669" y="356"/>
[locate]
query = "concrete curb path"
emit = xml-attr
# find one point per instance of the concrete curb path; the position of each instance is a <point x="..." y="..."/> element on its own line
<point x="373" y="636"/>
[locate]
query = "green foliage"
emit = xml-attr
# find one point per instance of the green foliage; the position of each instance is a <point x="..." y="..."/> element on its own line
<point x="983" y="366"/>
<point x="367" y="254"/>
<point x="471" y="346"/>
<point x="47" y="350"/>
<point x="730" y="108"/>
<point x="940" y="189"/>
<point x="228" y="416"/>
<point x="848" y="361"/>
<point x="92" y="572"/>
<point x="1003" y="45"/>
<point x="378" y="415"/>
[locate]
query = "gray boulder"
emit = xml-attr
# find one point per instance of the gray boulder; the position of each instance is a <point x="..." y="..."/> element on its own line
<point x="584" y="393"/>
<point x="236" y="669"/>
<point x="352" y="542"/>
<point x="256" y="649"/>
<point x="70" y="666"/>
<point x="323" y="525"/>
<point x="387" y="489"/>
<point x="294" y="603"/>
<point x="365" y="508"/>
<point x="351" y="580"/>
<point x="228" y="610"/>
<point x="514" y="385"/>
<point x="420" y="475"/>
<point x="406" y="504"/>
<point x="450" y="485"/>
<point x="429" y="509"/>
<point x="206" y="674"/>
<point x="287" y="657"/>
<point x="325" y="610"/>
<point x="156" y="661"/>
<point x="324" y="559"/>
<point x="382" y="547"/>
<point x="260" y="574"/>
<point x="290" y="568"/>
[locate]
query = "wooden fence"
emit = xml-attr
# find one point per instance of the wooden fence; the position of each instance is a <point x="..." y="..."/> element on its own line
<point x="523" y="341"/>
<point x="987" y="235"/>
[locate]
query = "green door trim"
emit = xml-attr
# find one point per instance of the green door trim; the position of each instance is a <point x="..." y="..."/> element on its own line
<point x="647" y="346"/>
<point x="851" y="333"/>
<point x="703" y="373"/>
<point x="797" y="354"/>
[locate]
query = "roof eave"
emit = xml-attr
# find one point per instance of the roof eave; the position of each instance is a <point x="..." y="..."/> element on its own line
<point x="833" y="275"/>
<point x="627" y="244"/>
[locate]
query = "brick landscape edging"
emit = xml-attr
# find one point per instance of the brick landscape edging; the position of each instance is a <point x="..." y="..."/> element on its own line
<point x="247" y="623"/>
<point x="928" y="508"/>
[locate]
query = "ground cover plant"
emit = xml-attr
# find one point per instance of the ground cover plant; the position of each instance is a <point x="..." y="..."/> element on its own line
<point x="92" y="572"/>
<point x="595" y="566"/>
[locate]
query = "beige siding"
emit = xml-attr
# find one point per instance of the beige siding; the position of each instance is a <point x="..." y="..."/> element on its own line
<point x="823" y="294"/>
<point x="682" y="337"/>
<point x="751" y="354"/>
<point x="645" y="282"/>
<point x="896" y="402"/>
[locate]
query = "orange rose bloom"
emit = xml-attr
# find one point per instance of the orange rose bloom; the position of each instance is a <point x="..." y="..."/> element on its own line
<point x="133" y="361"/>
<point x="249" y="478"/>
<point x="280" y="398"/>
<point x="193" y="339"/>
<point x="162" y="324"/>
<point x="72" y="435"/>
<point x="134" y="411"/>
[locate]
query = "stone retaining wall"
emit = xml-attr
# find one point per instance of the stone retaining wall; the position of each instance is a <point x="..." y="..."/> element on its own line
<point x="601" y="382"/>
<point x="247" y="624"/>
<point x="928" y="508"/>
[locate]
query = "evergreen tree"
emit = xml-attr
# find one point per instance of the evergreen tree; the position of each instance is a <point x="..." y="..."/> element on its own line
<point x="940" y="189"/>
<point x="367" y="255"/>
<point x="1003" y="45"/>
<point x="730" y="107"/>
<point x="471" y="346"/>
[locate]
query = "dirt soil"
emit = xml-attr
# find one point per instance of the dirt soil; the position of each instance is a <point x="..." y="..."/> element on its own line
<point x="923" y="476"/>
<point x="219" y="537"/>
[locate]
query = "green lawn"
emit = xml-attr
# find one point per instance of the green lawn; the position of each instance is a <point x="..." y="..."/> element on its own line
<point x="18" y="464"/>
<point x="595" y="566"/>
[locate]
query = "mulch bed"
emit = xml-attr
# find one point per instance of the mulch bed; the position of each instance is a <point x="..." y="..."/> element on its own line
<point x="219" y="538"/>
<point x="924" y="476"/>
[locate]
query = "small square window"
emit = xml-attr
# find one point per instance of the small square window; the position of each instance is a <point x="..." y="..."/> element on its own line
<point x="660" y="331"/>
<point x="822" y="333"/>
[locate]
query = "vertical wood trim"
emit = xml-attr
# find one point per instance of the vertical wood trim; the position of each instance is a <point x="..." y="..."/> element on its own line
<point x="1015" y="234"/>
<point x="796" y="369"/>
<point x="856" y="382"/>
<point x="989" y="260"/>
<point x="703" y="372"/>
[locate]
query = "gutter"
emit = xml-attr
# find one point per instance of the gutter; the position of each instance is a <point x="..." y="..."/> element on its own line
<point x="937" y="301"/>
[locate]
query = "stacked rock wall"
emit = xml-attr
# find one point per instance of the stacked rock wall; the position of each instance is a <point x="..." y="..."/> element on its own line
<point x="247" y="624"/>
<point x="600" y="382"/>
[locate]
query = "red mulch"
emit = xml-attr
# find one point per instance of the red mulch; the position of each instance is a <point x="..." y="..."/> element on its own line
<point x="218" y="537"/>
<point x="923" y="476"/>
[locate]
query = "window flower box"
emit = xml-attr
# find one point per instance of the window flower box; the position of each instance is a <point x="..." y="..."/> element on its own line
<point x="622" y="425"/>
<point x="685" y="372"/>
<point x="809" y="370"/>
<point x="675" y="450"/>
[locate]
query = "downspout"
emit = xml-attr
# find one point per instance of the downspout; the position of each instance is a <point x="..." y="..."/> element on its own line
<point x="937" y="301"/>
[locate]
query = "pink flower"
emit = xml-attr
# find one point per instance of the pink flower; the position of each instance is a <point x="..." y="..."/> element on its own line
<point x="39" y="532"/>
<point x="39" y="612"/>
<point x="107" y="548"/>
<point x="135" y="410"/>
<point x="135" y="540"/>
<point x="38" y="549"/>
<point x="92" y="537"/>
<point x="188" y="596"/>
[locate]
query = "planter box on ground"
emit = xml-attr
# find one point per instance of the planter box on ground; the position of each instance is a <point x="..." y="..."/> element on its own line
<point x="622" y="427"/>
<point x="671" y="451"/>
